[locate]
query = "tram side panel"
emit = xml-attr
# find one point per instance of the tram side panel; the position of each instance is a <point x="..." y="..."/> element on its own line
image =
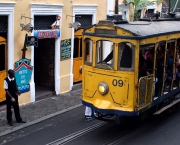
<point x="2" y="68"/>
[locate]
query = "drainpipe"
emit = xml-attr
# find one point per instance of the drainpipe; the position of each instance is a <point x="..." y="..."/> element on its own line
<point x="169" y="6"/>
<point x="116" y="6"/>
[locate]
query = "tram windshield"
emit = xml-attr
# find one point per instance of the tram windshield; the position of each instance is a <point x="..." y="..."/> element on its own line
<point x="88" y="52"/>
<point x="107" y="53"/>
<point x="106" y="56"/>
<point x="126" y="53"/>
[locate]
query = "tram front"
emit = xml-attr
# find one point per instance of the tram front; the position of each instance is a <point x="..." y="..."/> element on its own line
<point x="108" y="85"/>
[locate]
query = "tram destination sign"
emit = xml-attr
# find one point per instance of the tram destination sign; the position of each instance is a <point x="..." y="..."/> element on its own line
<point x="65" y="49"/>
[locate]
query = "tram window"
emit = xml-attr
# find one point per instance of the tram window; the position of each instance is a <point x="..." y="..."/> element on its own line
<point x="2" y="57"/>
<point x="125" y="56"/>
<point x="76" y="47"/>
<point x="169" y="65"/>
<point x="81" y="47"/>
<point x="88" y="52"/>
<point x="178" y="63"/>
<point x="105" y="55"/>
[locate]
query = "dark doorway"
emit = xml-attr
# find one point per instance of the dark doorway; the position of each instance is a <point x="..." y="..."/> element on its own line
<point x="44" y="66"/>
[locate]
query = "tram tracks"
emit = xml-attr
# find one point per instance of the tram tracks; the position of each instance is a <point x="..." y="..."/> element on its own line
<point x="77" y="134"/>
<point x="117" y="140"/>
<point x="128" y="135"/>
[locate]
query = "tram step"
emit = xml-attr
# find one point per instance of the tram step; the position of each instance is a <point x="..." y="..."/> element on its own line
<point x="167" y="107"/>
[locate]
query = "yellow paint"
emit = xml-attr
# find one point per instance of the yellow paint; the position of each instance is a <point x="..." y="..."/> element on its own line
<point x="77" y="62"/>
<point x="121" y="96"/>
<point x="64" y="86"/>
<point x="3" y="73"/>
<point x="77" y="75"/>
<point x="23" y="99"/>
<point x="78" y="33"/>
<point x="23" y="7"/>
<point x="128" y="96"/>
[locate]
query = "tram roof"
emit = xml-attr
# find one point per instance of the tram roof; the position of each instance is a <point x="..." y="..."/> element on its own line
<point x="144" y="28"/>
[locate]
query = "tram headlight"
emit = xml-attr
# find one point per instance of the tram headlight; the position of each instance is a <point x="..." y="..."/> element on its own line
<point x="103" y="88"/>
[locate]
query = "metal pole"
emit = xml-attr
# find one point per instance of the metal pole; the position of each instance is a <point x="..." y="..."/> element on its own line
<point x="169" y="6"/>
<point x="116" y="6"/>
<point x="175" y="5"/>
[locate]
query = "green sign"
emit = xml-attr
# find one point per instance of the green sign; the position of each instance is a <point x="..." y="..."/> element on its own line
<point x="65" y="49"/>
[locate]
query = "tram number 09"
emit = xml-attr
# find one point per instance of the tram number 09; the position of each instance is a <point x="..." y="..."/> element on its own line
<point x="117" y="83"/>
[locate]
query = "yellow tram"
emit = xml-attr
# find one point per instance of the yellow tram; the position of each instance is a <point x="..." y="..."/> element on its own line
<point x="77" y="58"/>
<point x="2" y="68"/>
<point x="132" y="67"/>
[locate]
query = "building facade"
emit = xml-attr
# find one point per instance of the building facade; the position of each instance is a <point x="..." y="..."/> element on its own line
<point x="128" y="10"/>
<point x="47" y="64"/>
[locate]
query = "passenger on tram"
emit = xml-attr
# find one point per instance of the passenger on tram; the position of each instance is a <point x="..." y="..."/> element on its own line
<point x="159" y="69"/>
<point x="170" y="47"/>
<point x="169" y="63"/>
<point x="142" y="65"/>
<point x="142" y="52"/>
<point x="150" y="62"/>
<point x="125" y="55"/>
<point x="178" y="65"/>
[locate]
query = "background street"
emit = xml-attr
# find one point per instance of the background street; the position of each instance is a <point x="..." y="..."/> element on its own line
<point x="72" y="129"/>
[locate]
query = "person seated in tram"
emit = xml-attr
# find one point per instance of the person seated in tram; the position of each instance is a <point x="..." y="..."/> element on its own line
<point x="169" y="63"/>
<point x="159" y="68"/>
<point x="150" y="62"/>
<point x="178" y="65"/>
<point x="142" y="66"/>
<point x="147" y="53"/>
<point x="125" y="55"/>
<point x="171" y="47"/>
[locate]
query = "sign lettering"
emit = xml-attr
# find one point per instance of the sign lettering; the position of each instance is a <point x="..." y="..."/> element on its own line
<point x="23" y="72"/>
<point x="47" y="33"/>
<point x="119" y="83"/>
<point x="65" y="49"/>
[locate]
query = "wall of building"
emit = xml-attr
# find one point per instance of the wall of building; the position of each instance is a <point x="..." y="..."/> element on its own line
<point x="23" y="7"/>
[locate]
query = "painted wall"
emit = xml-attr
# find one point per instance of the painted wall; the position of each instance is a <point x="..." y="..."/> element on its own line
<point x="23" y="7"/>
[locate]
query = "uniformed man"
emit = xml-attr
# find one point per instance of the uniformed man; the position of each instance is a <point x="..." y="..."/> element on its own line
<point x="12" y="93"/>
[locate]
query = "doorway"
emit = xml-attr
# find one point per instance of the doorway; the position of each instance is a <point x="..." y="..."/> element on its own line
<point x="44" y="65"/>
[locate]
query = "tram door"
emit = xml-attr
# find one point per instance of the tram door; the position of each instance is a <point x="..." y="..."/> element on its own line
<point x="77" y="56"/>
<point x="2" y="68"/>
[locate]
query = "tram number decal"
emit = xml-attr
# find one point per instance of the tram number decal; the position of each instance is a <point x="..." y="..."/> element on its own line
<point x="117" y="83"/>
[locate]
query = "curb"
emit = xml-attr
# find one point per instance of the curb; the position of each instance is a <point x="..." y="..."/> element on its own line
<point x="39" y="120"/>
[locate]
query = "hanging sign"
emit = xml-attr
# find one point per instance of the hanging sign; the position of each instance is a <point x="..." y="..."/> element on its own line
<point x="31" y="41"/>
<point x="65" y="49"/>
<point x="23" y="72"/>
<point x="40" y="34"/>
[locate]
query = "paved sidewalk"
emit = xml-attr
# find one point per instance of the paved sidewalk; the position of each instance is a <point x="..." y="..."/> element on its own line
<point x="41" y="110"/>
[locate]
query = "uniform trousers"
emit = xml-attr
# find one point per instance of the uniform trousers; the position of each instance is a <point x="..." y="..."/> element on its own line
<point x="15" y="105"/>
<point x="88" y="111"/>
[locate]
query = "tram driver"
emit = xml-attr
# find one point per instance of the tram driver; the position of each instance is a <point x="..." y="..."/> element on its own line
<point x="125" y="55"/>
